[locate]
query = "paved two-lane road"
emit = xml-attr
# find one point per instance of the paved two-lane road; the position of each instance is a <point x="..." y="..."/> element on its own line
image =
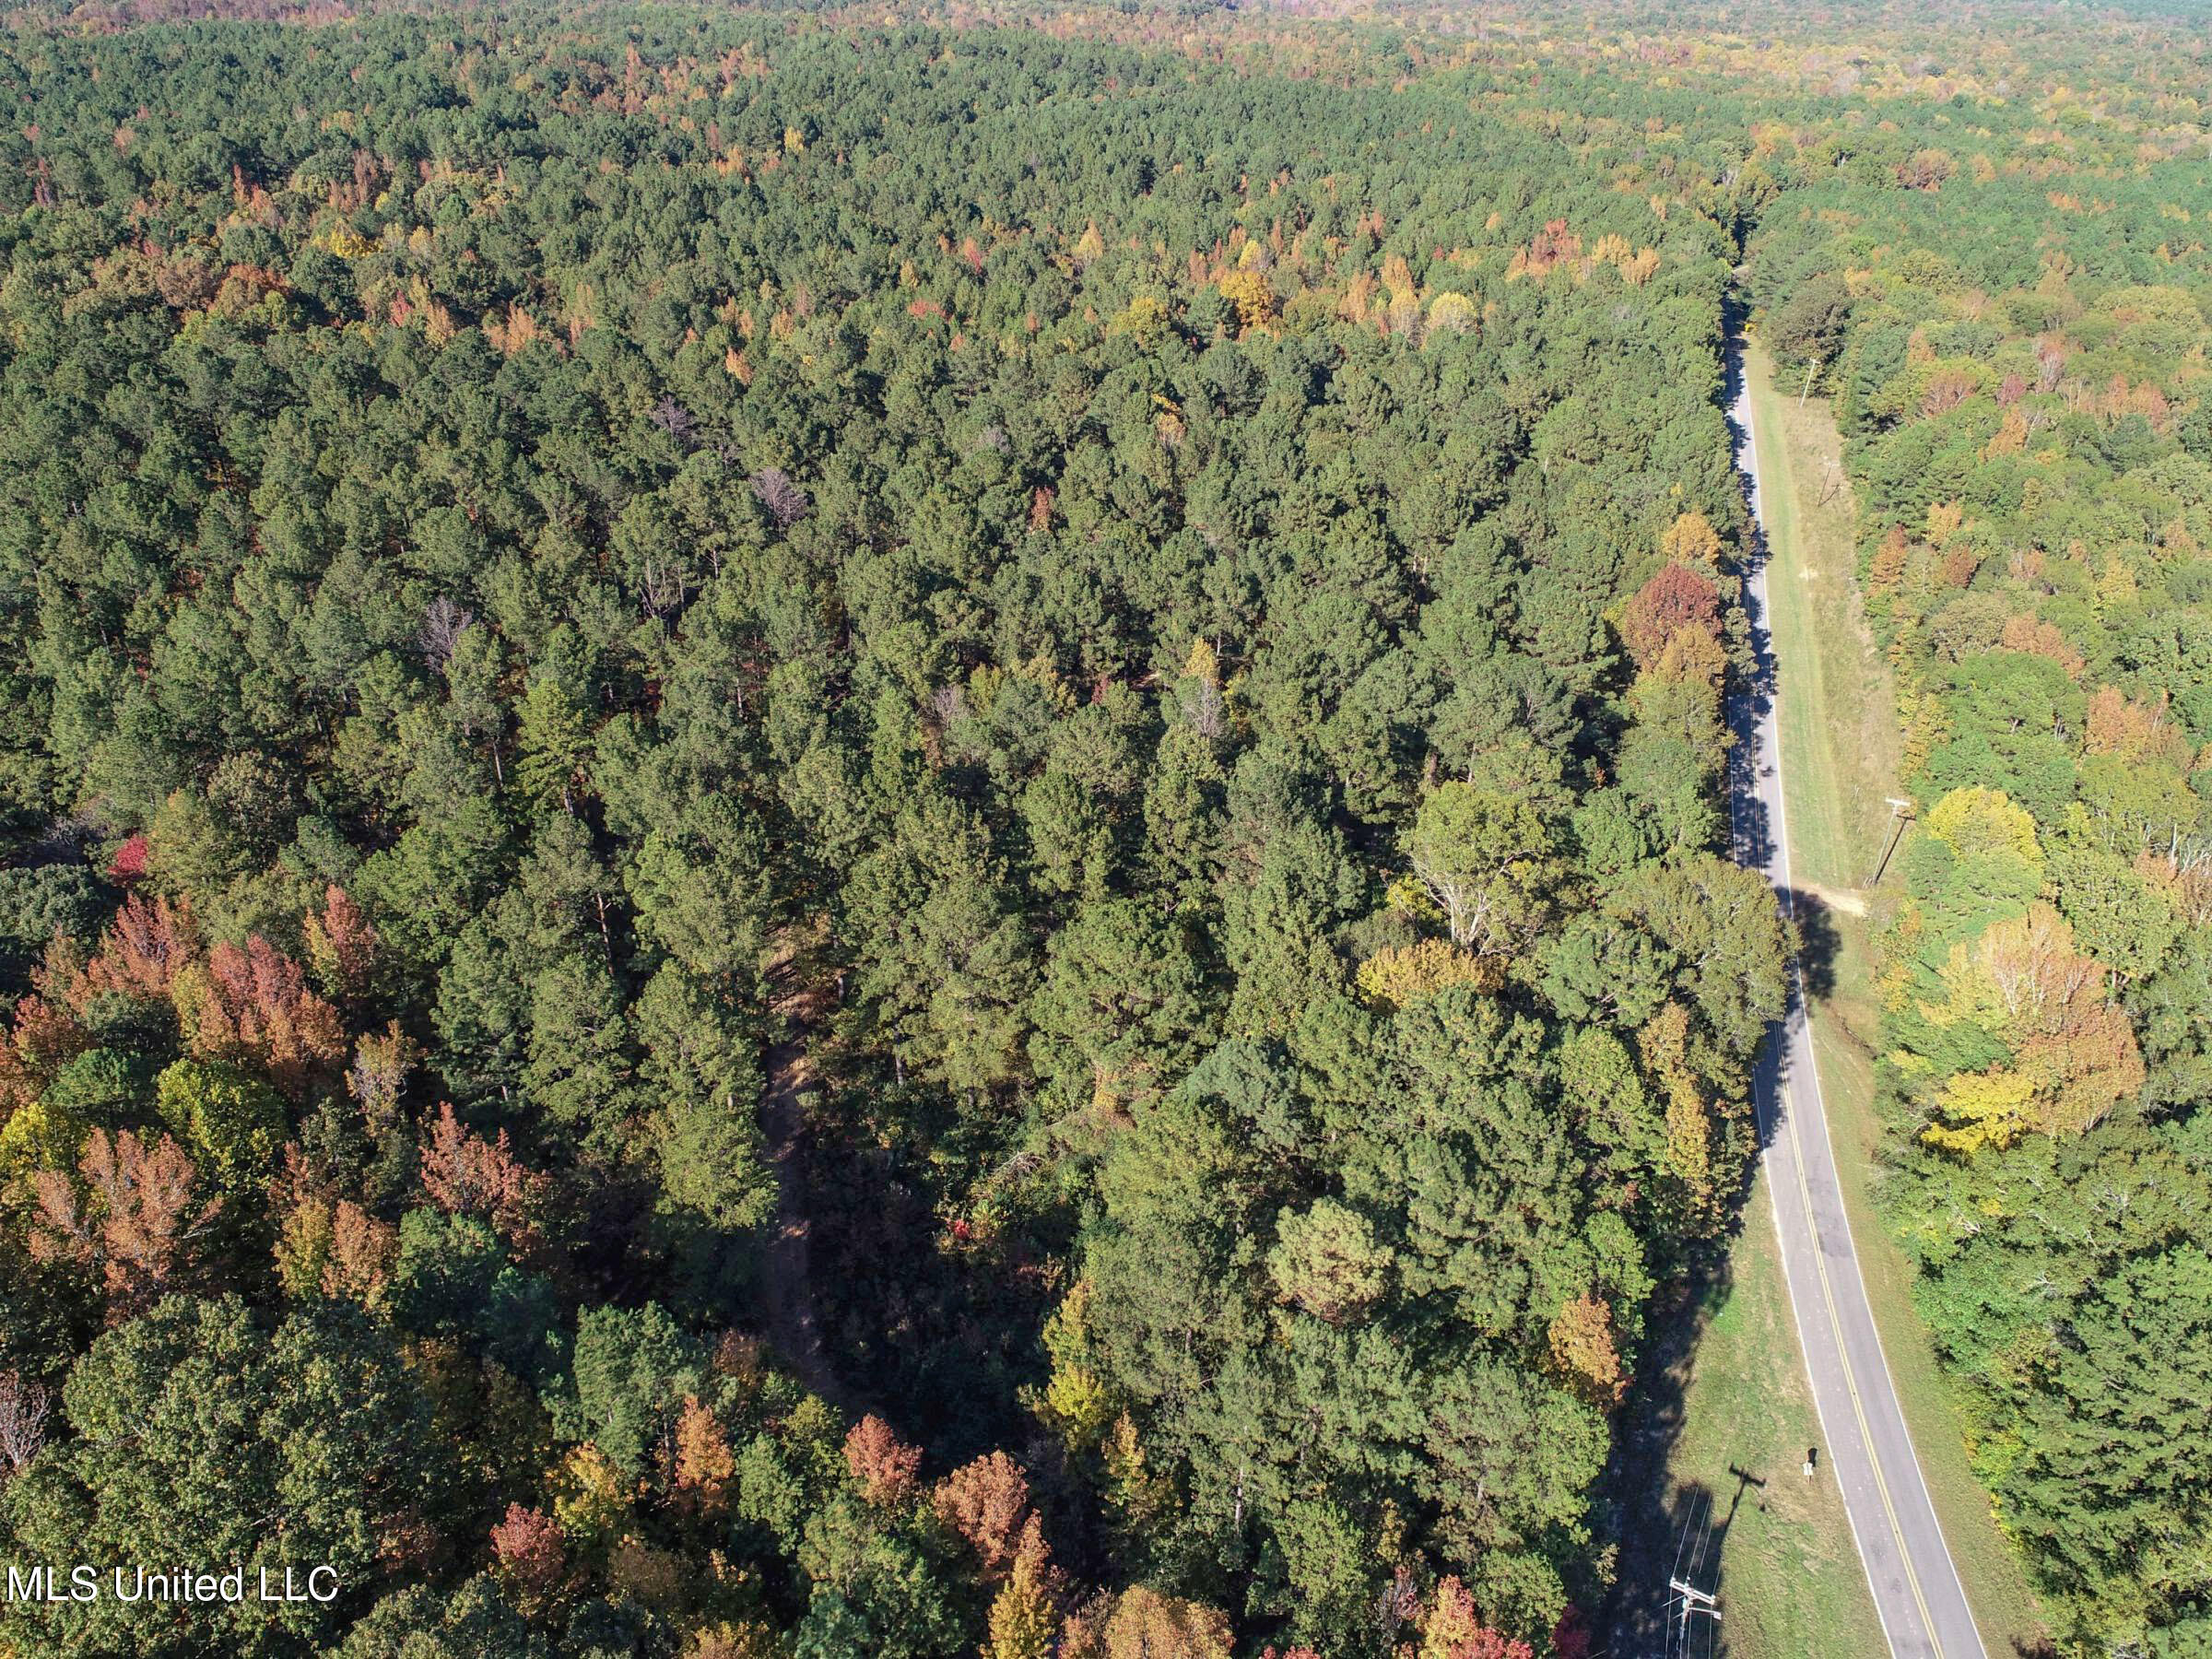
<point x="1867" y="1449"/>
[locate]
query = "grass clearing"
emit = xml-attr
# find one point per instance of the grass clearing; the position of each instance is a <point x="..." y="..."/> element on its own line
<point x="1841" y="748"/>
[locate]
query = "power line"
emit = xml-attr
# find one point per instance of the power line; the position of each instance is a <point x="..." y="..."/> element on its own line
<point x="1687" y="1600"/>
<point x="1666" y="1619"/>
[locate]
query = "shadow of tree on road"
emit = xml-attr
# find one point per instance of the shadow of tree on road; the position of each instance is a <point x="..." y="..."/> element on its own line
<point x="1819" y="943"/>
<point x="1658" y="1522"/>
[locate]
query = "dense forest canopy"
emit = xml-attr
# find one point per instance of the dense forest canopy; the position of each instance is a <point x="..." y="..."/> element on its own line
<point x="834" y="837"/>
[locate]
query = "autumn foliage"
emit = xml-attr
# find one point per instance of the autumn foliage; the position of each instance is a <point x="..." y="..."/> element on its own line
<point x="1453" y="1631"/>
<point x="1675" y="599"/>
<point x="253" y="1005"/>
<point x="528" y="1544"/>
<point x="341" y="945"/>
<point x="1584" y="1348"/>
<point x="132" y="1215"/>
<point x="141" y="953"/>
<point x="465" y="1174"/>
<point x="882" y="1465"/>
<point x="1147" y="1625"/>
<point x="665" y="898"/>
<point x="2073" y="1051"/>
<point x="329" y="1244"/>
<point x="704" y="1468"/>
<point x="986" y="1502"/>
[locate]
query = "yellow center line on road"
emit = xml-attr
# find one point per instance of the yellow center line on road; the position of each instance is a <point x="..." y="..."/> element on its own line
<point x="1851" y="1382"/>
<point x="1783" y="882"/>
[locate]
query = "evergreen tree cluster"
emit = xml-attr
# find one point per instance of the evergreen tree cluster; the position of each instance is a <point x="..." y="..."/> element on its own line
<point x="833" y="838"/>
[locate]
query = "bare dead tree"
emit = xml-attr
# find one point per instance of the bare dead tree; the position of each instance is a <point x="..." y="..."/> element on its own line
<point x="675" y="420"/>
<point x="25" y="1405"/>
<point x="2050" y="363"/>
<point x="785" y="501"/>
<point x="1203" y="706"/>
<point x="443" y="623"/>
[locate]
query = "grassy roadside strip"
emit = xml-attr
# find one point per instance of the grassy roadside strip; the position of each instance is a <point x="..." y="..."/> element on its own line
<point x="1839" y="743"/>
<point x="1789" y="1578"/>
<point x="1727" y="1406"/>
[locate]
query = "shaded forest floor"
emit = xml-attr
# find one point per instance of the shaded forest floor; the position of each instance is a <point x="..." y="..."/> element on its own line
<point x="797" y="1004"/>
<point x="884" y="1288"/>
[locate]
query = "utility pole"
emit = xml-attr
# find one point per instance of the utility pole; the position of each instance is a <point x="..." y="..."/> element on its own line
<point x="1683" y="1579"/>
<point x="1900" y="814"/>
<point x="1694" y="1600"/>
<point x="1812" y="368"/>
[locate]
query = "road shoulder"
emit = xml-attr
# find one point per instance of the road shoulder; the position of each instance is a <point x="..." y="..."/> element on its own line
<point x="1839" y="728"/>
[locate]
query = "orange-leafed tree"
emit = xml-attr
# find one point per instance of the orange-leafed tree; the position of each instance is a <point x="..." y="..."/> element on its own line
<point x="2134" y="731"/>
<point x="2073" y="1049"/>
<point x="883" y="1466"/>
<point x="329" y="1245"/>
<point x="341" y="945"/>
<point x="463" y="1174"/>
<point x="2071" y="1038"/>
<point x="135" y="1218"/>
<point x="46" y="1037"/>
<point x="704" y="1467"/>
<point x="254" y="1004"/>
<point x="1454" y="1631"/>
<point x="1584" y="1349"/>
<point x="2041" y="639"/>
<point x="986" y="1502"/>
<point x="141" y="952"/>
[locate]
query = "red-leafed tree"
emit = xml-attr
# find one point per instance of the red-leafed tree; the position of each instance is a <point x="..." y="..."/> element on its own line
<point x="129" y="862"/>
<point x="527" y="1546"/>
<point x="1677" y="598"/>
<point x="465" y="1174"/>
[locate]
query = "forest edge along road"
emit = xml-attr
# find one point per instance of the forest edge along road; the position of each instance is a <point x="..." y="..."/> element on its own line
<point x="1866" y="1448"/>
